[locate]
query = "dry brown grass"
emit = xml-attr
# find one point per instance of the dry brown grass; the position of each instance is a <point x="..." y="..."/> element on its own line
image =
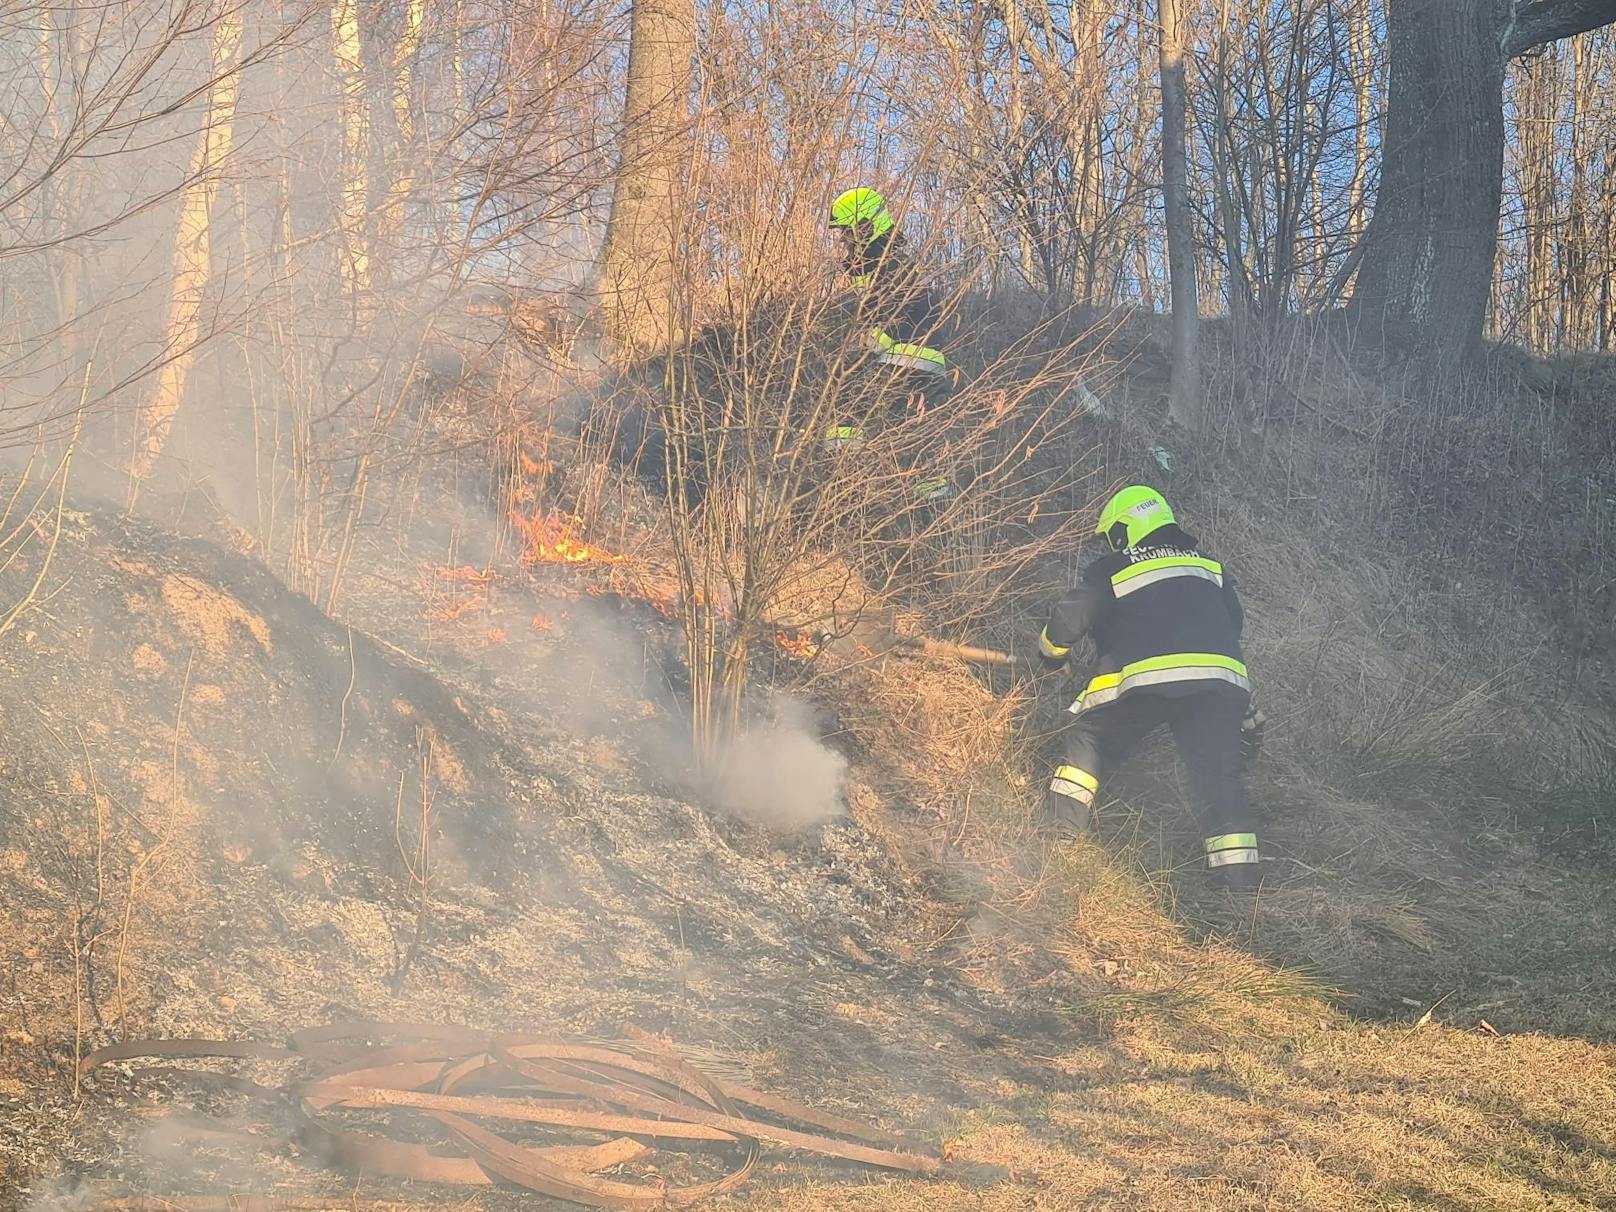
<point x="1337" y="1119"/>
<point x="1159" y="1049"/>
<point x="1418" y="728"/>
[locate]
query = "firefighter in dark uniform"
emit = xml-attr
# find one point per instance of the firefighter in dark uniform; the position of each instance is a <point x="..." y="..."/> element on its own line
<point x="1165" y="623"/>
<point x="898" y="308"/>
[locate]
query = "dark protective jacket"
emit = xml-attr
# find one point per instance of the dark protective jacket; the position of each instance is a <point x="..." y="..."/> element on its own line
<point x="894" y="295"/>
<point x="1163" y="617"/>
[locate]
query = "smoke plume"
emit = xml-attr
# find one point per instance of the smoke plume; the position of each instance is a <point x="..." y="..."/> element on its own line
<point x="779" y="775"/>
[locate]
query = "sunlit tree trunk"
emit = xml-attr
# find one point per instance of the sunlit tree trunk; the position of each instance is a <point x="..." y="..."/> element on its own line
<point x="1602" y="240"/>
<point x="1536" y="98"/>
<point x="1229" y="218"/>
<point x="638" y="262"/>
<point x="1607" y="248"/>
<point x="978" y="199"/>
<point x="52" y="67"/>
<point x="1578" y="303"/>
<point x="1015" y="123"/>
<point x="1313" y="275"/>
<point x="192" y="261"/>
<point x="1278" y="285"/>
<point x="458" y="66"/>
<point x="1089" y="87"/>
<point x="446" y="204"/>
<point x="1362" y="79"/>
<point x="1140" y="239"/>
<point x="1185" y="399"/>
<point x="353" y="251"/>
<point x="405" y="155"/>
<point x="63" y="51"/>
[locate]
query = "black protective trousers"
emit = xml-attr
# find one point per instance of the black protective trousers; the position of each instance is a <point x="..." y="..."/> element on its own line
<point x="1205" y="723"/>
<point x="899" y="391"/>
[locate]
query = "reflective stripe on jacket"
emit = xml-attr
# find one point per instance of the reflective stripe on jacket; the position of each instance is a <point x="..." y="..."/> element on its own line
<point x="1163" y="617"/>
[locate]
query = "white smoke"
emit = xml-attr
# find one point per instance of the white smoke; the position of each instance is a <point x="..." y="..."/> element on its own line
<point x="775" y="774"/>
<point x="779" y="775"/>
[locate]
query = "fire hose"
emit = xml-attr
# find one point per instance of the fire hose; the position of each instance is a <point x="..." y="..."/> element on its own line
<point x="958" y="652"/>
<point x="448" y="1078"/>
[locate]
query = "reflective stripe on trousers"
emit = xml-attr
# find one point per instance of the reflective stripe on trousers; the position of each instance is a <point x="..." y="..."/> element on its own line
<point x="907" y="354"/>
<point x="839" y="436"/>
<point x="1161" y="671"/>
<point x="1227" y="849"/>
<point x="1075" y="782"/>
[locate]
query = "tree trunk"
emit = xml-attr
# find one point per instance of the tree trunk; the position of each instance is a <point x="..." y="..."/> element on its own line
<point x="1089" y="93"/>
<point x="1429" y="258"/>
<point x="1362" y="73"/>
<point x="192" y="259"/>
<point x="1607" y="281"/>
<point x="1230" y="213"/>
<point x="1431" y="244"/>
<point x="407" y="153"/>
<point x="1016" y="128"/>
<point x="1137" y="239"/>
<point x="1185" y="399"/>
<point x="638" y="276"/>
<point x="62" y="52"/>
<point x="1578" y="319"/>
<point x="1536" y="89"/>
<point x="353" y="255"/>
<point x="1604" y="244"/>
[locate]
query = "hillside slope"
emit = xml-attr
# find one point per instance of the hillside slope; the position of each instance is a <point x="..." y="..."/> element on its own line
<point x="216" y="799"/>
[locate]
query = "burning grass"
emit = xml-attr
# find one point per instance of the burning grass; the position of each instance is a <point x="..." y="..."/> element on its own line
<point x="454" y="593"/>
<point x="797" y="645"/>
<point x="552" y="538"/>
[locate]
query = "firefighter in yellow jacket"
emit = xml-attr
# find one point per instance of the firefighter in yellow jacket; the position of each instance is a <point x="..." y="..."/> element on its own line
<point x="1165" y="623"/>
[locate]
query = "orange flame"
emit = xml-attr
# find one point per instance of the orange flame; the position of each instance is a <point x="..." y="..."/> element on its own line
<point x="446" y="591"/>
<point x="535" y="467"/>
<point x="540" y="623"/>
<point x="549" y="539"/>
<point x="797" y="644"/>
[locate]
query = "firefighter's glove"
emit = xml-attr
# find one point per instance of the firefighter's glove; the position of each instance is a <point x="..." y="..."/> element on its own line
<point x="1251" y="734"/>
<point x="1050" y="653"/>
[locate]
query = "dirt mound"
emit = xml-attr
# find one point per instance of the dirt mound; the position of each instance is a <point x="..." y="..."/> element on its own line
<point x="192" y="691"/>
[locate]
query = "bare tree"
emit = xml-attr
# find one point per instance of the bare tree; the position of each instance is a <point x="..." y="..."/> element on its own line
<point x="1185" y="400"/>
<point x="192" y="241"/>
<point x="1553" y="263"/>
<point x="637" y="262"/>
<point x="408" y="149"/>
<point x="1428" y="261"/>
<point x="1362" y="71"/>
<point x="354" y="255"/>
